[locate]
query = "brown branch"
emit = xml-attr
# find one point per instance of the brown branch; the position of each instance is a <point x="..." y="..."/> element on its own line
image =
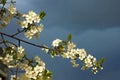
<point x="39" y="46"/>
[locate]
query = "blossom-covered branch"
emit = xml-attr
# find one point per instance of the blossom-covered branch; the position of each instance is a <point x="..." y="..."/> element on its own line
<point x="11" y="36"/>
<point x="14" y="56"/>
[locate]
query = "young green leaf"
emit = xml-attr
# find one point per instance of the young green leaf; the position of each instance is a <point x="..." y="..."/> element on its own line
<point x="42" y="14"/>
<point x="102" y="60"/>
<point x="69" y="37"/>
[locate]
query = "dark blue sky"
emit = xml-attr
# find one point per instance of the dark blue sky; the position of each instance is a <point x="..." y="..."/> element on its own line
<point x="94" y="25"/>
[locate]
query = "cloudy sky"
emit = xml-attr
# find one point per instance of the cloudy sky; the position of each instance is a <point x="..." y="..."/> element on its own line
<point x="94" y="25"/>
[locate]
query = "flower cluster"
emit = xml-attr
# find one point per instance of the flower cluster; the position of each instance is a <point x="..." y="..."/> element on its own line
<point x="67" y="49"/>
<point x="31" y="24"/>
<point x="21" y="52"/>
<point x="13" y="77"/>
<point x="11" y="55"/>
<point x="8" y="58"/>
<point x="34" y="72"/>
<point x="31" y="17"/>
<point x="34" y="31"/>
<point x="16" y="58"/>
<point x="6" y="16"/>
<point x="5" y="20"/>
<point x="12" y="10"/>
<point x="89" y="61"/>
<point x="56" y="42"/>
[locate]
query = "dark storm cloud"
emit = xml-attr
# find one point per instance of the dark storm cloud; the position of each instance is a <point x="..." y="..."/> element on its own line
<point x="85" y="14"/>
<point x="79" y="15"/>
<point x="99" y="22"/>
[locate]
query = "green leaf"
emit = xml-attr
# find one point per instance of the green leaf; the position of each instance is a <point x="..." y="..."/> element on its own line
<point x="45" y="72"/>
<point x="69" y="37"/>
<point x="99" y="63"/>
<point x="49" y="74"/>
<point x="102" y="60"/>
<point x="52" y="53"/>
<point x="3" y="2"/>
<point x="42" y="14"/>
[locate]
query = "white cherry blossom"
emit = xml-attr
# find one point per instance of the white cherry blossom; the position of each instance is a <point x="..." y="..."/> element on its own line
<point x="12" y="10"/>
<point x="8" y="58"/>
<point x="56" y="42"/>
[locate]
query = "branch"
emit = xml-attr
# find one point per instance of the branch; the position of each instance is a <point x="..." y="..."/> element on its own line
<point x="18" y="32"/>
<point x="2" y="42"/>
<point x="16" y="73"/>
<point x="39" y="46"/>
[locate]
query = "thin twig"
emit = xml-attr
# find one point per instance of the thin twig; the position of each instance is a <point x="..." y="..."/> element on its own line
<point x="18" y="32"/>
<point x="16" y="72"/>
<point x="3" y="40"/>
<point x="19" y="43"/>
